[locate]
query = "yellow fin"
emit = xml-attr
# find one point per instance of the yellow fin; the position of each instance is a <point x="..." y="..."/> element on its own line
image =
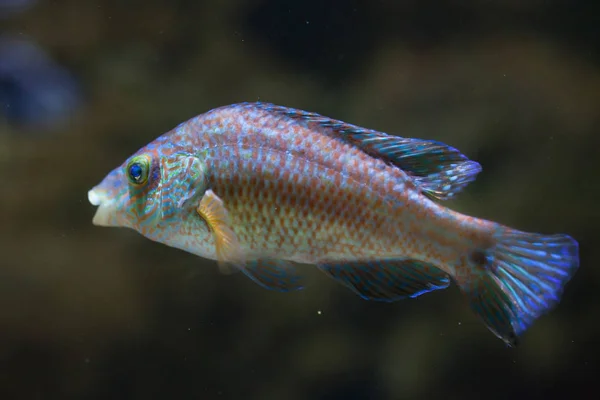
<point x="228" y="248"/>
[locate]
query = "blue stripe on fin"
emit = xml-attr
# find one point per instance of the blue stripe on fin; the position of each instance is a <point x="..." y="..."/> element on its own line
<point x="441" y="170"/>
<point x="387" y="280"/>
<point x="524" y="277"/>
<point x="446" y="184"/>
<point x="279" y="275"/>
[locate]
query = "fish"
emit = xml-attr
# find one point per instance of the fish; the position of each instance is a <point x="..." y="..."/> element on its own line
<point x="262" y="189"/>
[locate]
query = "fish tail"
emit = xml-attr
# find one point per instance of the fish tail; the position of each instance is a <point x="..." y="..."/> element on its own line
<point x="519" y="279"/>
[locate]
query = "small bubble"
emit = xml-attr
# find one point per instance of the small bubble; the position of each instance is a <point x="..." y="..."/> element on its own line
<point x="319" y="312"/>
<point x="460" y="323"/>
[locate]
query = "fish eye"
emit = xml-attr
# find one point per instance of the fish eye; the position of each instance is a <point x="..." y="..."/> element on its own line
<point x="137" y="170"/>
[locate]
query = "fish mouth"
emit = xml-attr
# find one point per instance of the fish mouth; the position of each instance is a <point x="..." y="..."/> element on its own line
<point x="106" y="208"/>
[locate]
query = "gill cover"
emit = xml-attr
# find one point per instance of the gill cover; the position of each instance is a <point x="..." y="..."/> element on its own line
<point x="183" y="183"/>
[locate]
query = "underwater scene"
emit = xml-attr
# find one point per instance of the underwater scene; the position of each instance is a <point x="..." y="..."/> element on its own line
<point x="290" y="200"/>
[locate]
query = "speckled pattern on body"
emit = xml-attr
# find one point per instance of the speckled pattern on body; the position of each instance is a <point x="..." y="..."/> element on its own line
<point x="362" y="205"/>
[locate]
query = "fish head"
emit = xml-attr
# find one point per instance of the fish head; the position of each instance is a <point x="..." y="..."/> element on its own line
<point x="153" y="193"/>
<point x="129" y="196"/>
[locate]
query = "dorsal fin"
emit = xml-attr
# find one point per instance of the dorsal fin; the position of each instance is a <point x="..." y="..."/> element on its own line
<point x="440" y="171"/>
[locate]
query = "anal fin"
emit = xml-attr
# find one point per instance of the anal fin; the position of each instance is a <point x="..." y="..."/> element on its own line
<point x="388" y="280"/>
<point x="279" y="275"/>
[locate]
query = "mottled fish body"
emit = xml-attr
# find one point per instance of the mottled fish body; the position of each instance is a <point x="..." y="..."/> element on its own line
<point x="258" y="187"/>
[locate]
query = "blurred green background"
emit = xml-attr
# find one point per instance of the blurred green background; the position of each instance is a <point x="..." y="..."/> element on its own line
<point x="96" y="313"/>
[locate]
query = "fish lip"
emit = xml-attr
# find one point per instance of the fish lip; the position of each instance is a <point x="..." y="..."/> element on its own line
<point x="101" y="217"/>
<point x="105" y="211"/>
<point x="94" y="198"/>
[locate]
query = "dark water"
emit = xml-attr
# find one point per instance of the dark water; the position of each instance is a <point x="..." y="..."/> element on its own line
<point x="92" y="313"/>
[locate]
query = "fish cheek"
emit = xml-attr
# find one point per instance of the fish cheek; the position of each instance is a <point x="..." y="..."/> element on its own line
<point x="143" y="205"/>
<point x="152" y="208"/>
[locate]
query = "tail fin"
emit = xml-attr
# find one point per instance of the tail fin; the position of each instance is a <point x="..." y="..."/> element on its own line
<point x="524" y="277"/>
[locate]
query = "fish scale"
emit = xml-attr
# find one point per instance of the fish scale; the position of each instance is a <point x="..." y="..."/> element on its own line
<point x="306" y="216"/>
<point x="282" y="168"/>
<point x="295" y="181"/>
<point x="259" y="187"/>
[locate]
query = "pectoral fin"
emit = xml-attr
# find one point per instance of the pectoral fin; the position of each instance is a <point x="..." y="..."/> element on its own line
<point x="228" y="249"/>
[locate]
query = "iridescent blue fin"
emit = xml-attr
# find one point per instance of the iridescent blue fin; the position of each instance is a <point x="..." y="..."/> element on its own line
<point x="440" y="170"/>
<point x="521" y="278"/>
<point x="387" y="280"/>
<point x="445" y="184"/>
<point x="279" y="275"/>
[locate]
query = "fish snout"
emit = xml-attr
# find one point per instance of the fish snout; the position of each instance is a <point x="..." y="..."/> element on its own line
<point x="106" y="211"/>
